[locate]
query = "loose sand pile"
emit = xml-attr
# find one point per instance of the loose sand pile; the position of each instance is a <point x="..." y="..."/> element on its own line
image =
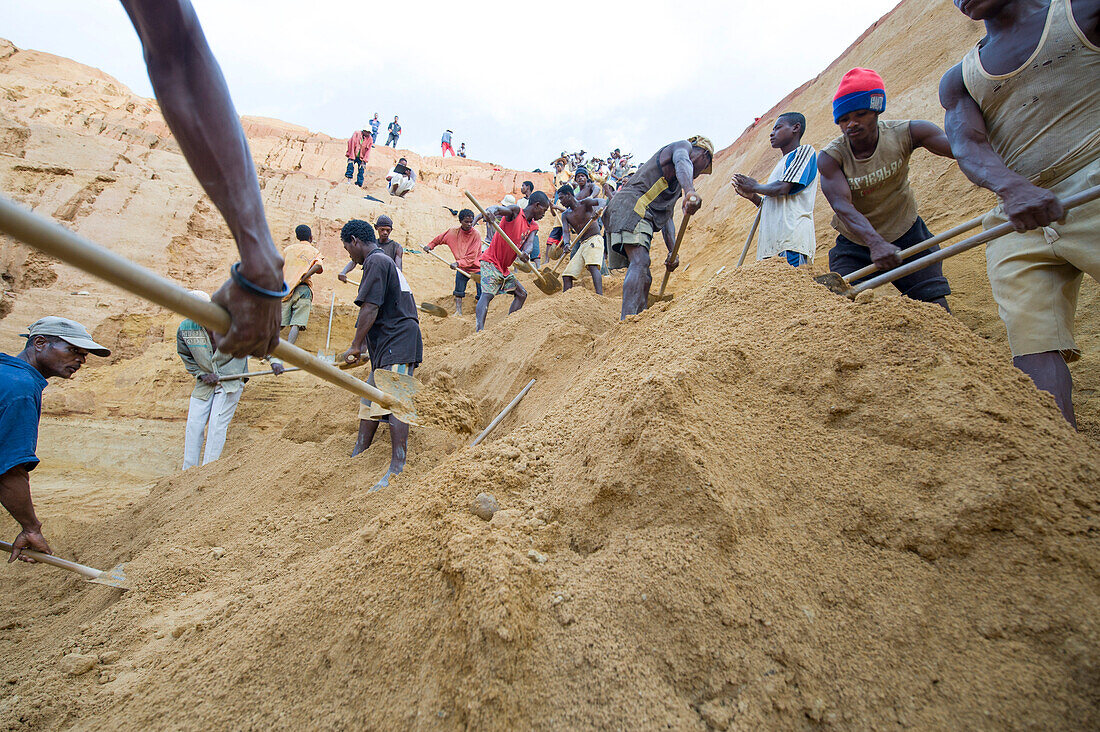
<point x="759" y="504"/>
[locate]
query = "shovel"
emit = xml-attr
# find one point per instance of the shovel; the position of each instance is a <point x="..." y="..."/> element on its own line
<point x="114" y="577"/>
<point x="752" y="233"/>
<point x="59" y="242"/>
<point x="327" y="355"/>
<point x="549" y="285"/>
<point x="840" y="285"/>
<point x="472" y="275"/>
<point x="661" y="297"/>
<point x="546" y="271"/>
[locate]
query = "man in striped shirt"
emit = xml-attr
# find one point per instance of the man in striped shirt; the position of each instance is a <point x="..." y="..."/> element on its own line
<point x="786" y="201"/>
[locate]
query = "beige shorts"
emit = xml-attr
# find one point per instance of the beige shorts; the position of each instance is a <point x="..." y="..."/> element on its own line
<point x="370" y="410"/>
<point x="642" y="236"/>
<point x="296" y="308"/>
<point x="1036" y="275"/>
<point x="589" y="254"/>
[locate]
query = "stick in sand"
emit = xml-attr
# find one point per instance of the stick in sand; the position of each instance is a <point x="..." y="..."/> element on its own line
<point x="503" y="413"/>
<point x="752" y="233"/>
<point x="57" y="241"/>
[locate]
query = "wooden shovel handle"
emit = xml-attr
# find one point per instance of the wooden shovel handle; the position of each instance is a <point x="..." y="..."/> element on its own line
<point x="580" y="238"/>
<point x="507" y="238"/>
<point x="752" y="233"/>
<point x="89" y="572"/>
<point x="56" y="240"/>
<point x="674" y="252"/>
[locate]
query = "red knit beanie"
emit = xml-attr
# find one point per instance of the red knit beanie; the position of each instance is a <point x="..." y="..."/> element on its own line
<point x="859" y="89"/>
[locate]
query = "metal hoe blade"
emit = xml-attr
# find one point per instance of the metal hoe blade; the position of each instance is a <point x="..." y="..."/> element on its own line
<point x="834" y="282"/>
<point x="113" y="577"/>
<point x="403" y="388"/>
<point x="432" y="309"/>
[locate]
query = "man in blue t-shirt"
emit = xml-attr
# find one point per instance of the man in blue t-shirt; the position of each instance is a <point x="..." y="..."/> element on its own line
<point x="375" y="123"/>
<point x="55" y="347"/>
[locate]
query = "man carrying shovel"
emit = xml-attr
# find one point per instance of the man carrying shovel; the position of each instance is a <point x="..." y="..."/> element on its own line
<point x="464" y="241"/>
<point x="865" y="177"/>
<point x="388" y="330"/>
<point x="583" y="218"/>
<point x="1022" y="110"/>
<point x="644" y="206"/>
<point x="496" y="277"/>
<point x="55" y="347"/>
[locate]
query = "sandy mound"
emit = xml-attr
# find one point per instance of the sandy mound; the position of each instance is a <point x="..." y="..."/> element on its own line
<point x="757" y="505"/>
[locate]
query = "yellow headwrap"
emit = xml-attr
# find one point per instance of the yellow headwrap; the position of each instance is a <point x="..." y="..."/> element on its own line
<point x="706" y="144"/>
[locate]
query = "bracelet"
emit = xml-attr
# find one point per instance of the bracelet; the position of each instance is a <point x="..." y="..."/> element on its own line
<point x="235" y="274"/>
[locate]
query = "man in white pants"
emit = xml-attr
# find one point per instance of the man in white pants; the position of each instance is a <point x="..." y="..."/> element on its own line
<point x="213" y="401"/>
<point x="401" y="179"/>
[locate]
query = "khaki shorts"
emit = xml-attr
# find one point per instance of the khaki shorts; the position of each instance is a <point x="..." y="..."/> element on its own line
<point x="641" y="236"/>
<point x="1036" y="275"/>
<point x="370" y="410"/>
<point x="296" y="309"/>
<point x="590" y="253"/>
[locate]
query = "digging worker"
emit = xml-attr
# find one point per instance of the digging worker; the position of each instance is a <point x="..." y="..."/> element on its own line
<point x="1022" y="116"/>
<point x="865" y="176"/>
<point x="391" y="248"/>
<point x="525" y="190"/>
<point x="644" y="206"/>
<point x="786" y="201"/>
<point x="588" y="252"/>
<point x="388" y="330"/>
<point x="358" y="153"/>
<point x="496" y="277"/>
<point x="302" y="261"/>
<point x="55" y="347"/>
<point x="464" y="241"/>
<point x="196" y="105"/>
<point x="213" y="401"/>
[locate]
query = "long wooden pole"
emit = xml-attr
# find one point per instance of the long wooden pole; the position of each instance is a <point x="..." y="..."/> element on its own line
<point x="674" y="252"/>
<point x="59" y="242"/>
<point x="503" y="413"/>
<point x="752" y="233"/>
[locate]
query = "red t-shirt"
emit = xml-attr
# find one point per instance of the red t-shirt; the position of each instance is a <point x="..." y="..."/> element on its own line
<point x="464" y="245"/>
<point x="499" y="254"/>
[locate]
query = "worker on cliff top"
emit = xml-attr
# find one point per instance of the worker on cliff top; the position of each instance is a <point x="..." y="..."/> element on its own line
<point x="644" y="206"/>
<point x="786" y="201"/>
<point x="1022" y="110"/>
<point x="496" y="277"/>
<point x="358" y="153"/>
<point x="865" y="176"/>
<point x="388" y="331"/>
<point x="195" y="103"/>
<point x="465" y="244"/>
<point x="445" y="145"/>
<point x="55" y="347"/>
<point x="581" y="215"/>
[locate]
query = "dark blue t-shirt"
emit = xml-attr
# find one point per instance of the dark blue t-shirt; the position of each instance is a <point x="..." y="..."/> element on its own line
<point x="20" y="409"/>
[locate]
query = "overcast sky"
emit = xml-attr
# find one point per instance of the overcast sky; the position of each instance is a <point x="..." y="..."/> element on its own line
<point x="632" y="74"/>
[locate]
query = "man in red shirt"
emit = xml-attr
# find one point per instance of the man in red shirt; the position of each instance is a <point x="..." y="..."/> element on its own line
<point x="464" y="241"/>
<point x="519" y="224"/>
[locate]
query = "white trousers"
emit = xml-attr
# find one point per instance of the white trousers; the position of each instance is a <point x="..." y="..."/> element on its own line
<point x="213" y="416"/>
<point x="400" y="184"/>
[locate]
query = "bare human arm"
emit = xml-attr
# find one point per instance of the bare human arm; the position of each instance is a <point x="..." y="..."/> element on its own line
<point x="15" y="495"/>
<point x="1027" y="206"/>
<point x="834" y="185"/>
<point x="197" y="107"/>
<point x="367" y="314"/>
<point x="930" y="137"/>
<point x="685" y="174"/>
<point x="752" y="189"/>
<point x="668" y="233"/>
<point x="343" y="276"/>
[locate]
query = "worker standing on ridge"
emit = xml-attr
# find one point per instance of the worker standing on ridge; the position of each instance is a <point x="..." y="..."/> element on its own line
<point x="786" y="201"/>
<point x="1022" y="116"/>
<point x="374" y="123"/>
<point x="394" y="130"/>
<point x="55" y="347"/>
<point x="213" y="402"/>
<point x="588" y="252"/>
<point x="465" y="244"/>
<point x="358" y="153"/>
<point x="496" y="277"/>
<point x="644" y="206"/>
<point x="445" y="145"/>
<point x="865" y="176"/>
<point x="196" y="105"/>
<point x="388" y="330"/>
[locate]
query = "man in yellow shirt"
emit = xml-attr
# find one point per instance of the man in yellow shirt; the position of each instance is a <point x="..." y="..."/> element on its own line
<point x="302" y="260"/>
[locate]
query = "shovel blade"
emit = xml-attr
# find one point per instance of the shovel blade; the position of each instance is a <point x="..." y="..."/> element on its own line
<point x="403" y="388"/>
<point x="113" y="577"/>
<point x="550" y="284"/>
<point x="653" y="299"/>
<point x="432" y="309"/>
<point x="554" y="252"/>
<point x="834" y="282"/>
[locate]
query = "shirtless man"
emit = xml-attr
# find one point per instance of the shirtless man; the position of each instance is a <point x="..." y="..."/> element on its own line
<point x="644" y="206"/>
<point x="865" y="177"/>
<point x="588" y="252"/>
<point x="584" y="186"/>
<point x="1032" y="155"/>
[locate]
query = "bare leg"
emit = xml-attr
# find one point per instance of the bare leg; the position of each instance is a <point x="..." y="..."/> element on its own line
<point x="367" y="430"/>
<point x="293" y="334"/>
<point x="518" y="299"/>
<point x="458" y="306"/>
<point x="1051" y="374"/>
<point x="399" y="445"/>
<point x="597" y="278"/>
<point x="482" y="309"/>
<point x="566" y="283"/>
<point x="637" y="281"/>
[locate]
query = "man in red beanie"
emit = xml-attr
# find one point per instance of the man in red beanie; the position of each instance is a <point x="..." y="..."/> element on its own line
<point x="865" y="177"/>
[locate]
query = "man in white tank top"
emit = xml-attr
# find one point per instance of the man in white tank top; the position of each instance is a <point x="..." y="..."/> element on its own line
<point x="1022" y="110"/>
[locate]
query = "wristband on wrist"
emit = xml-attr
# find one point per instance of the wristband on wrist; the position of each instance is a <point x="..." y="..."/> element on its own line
<point x="235" y="274"/>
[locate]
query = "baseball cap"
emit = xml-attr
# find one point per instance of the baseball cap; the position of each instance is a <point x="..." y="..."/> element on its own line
<point x="706" y="144"/>
<point x="67" y="330"/>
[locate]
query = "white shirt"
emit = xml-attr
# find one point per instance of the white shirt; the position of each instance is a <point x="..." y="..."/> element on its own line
<point x="787" y="222"/>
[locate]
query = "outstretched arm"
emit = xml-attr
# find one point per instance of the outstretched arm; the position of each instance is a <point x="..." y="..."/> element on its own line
<point x="1027" y="206"/>
<point x="930" y="137"/>
<point x="196" y="105"/>
<point x="835" y="187"/>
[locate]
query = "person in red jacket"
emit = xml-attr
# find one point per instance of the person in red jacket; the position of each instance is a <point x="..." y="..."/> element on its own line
<point x="358" y="153"/>
<point x="464" y="241"/>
